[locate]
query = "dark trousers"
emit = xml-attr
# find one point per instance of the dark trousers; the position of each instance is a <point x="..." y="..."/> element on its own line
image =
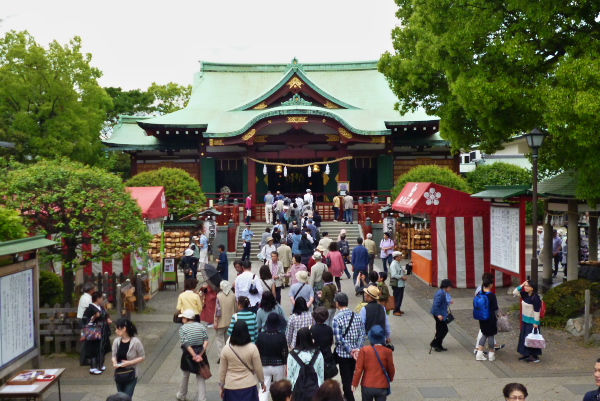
<point x="557" y="258"/>
<point x="347" y="366"/>
<point x="347" y="273"/>
<point x="441" y="329"/>
<point x="398" y="297"/>
<point x="338" y="282"/>
<point x="371" y="261"/>
<point x="278" y="295"/>
<point x="336" y="213"/>
<point x="386" y="261"/>
<point x="127" y="388"/>
<point x="246" y="254"/>
<point x="373" y="394"/>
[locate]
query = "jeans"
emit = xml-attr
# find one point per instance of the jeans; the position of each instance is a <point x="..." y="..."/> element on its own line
<point x="373" y="394"/>
<point x="183" y="387"/>
<point x="329" y="321"/>
<point x="185" y="377"/>
<point x="347" y="366"/>
<point x="398" y="297"/>
<point x="557" y="258"/>
<point x="336" y="213"/>
<point x="220" y="339"/>
<point x="272" y="375"/>
<point x="127" y="388"/>
<point x="348" y="215"/>
<point x="386" y="261"/>
<point x="441" y="329"/>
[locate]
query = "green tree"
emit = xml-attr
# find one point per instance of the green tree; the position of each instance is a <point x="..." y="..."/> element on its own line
<point x="493" y="70"/>
<point x="11" y="225"/>
<point x="497" y="174"/>
<point x="431" y="173"/>
<point x="170" y="97"/>
<point x="77" y="205"/>
<point x="183" y="192"/>
<point x="132" y="103"/>
<point x="50" y="102"/>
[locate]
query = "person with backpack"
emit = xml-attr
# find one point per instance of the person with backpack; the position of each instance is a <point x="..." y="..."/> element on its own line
<point x="485" y="308"/>
<point x="273" y="349"/>
<point x="375" y="368"/>
<point x="497" y="347"/>
<point x="247" y="284"/>
<point x="305" y="367"/>
<point x="189" y="264"/>
<point x="531" y="307"/>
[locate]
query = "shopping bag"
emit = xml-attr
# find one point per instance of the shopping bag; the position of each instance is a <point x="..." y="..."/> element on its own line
<point x="91" y="332"/>
<point x="534" y="340"/>
<point x="503" y="323"/>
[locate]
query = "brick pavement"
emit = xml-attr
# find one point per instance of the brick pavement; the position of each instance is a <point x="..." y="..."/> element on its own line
<point x="420" y="376"/>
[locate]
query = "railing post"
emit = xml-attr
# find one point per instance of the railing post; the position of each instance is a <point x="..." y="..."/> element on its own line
<point x="586" y="319"/>
<point x="231" y="238"/>
<point x="139" y="293"/>
<point x="119" y="301"/>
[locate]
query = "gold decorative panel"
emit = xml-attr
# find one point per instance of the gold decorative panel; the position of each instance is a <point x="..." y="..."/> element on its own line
<point x="295" y="120"/>
<point x="249" y="134"/>
<point x="215" y="142"/>
<point x="344" y="133"/>
<point x="377" y="139"/>
<point x="330" y="105"/>
<point x="260" y="138"/>
<point x="261" y="106"/>
<point x="295" y="82"/>
<point x="333" y="138"/>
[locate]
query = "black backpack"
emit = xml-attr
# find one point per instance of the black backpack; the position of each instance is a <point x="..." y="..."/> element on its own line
<point x="344" y="248"/>
<point x="307" y="382"/>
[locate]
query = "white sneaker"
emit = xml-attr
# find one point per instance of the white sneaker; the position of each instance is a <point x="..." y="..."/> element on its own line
<point x="179" y="397"/>
<point x="103" y="368"/>
<point x="210" y="326"/>
<point x="480" y="356"/>
<point x="491" y="356"/>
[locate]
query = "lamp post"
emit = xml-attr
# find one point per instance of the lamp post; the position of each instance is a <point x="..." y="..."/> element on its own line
<point x="535" y="139"/>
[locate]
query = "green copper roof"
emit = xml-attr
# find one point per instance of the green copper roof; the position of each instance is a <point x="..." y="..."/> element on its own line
<point x="220" y="91"/>
<point x="502" y="191"/>
<point x="24" y="245"/>
<point x="563" y="185"/>
<point x="127" y="135"/>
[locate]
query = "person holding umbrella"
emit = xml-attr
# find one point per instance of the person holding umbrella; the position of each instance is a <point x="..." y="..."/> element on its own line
<point x="211" y="284"/>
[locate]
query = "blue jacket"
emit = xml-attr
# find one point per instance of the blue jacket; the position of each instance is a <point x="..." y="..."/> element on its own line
<point x="591" y="395"/>
<point x="360" y="257"/>
<point x="440" y="304"/>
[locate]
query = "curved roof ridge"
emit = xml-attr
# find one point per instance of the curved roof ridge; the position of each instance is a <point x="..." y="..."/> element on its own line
<point x="208" y="66"/>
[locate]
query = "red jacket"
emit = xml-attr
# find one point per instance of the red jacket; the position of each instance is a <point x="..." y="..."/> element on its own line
<point x="369" y="368"/>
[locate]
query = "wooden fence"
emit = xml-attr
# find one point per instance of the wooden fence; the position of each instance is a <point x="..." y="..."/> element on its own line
<point x="111" y="284"/>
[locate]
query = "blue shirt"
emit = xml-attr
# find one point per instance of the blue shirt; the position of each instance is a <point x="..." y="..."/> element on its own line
<point x="247" y="234"/>
<point x="388" y="328"/>
<point x="268" y="199"/>
<point x="223" y="265"/>
<point x="204" y="242"/>
<point x="360" y="257"/>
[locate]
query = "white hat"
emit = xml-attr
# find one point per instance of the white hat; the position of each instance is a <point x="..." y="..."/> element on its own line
<point x="188" y="252"/>
<point x="396" y="253"/>
<point x="194" y="238"/>
<point x="317" y="255"/>
<point x="302" y="276"/>
<point x="308" y="190"/>
<point x="188" y="314"/>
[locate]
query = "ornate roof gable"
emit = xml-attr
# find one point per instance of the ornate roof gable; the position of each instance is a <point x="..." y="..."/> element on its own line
<point x="295" y="89"/>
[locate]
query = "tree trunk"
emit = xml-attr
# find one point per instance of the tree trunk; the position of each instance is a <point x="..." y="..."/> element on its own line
<point x="69" y="267"/>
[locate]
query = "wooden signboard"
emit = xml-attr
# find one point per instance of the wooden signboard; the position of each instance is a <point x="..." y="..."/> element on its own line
<point x="169" y="271"/>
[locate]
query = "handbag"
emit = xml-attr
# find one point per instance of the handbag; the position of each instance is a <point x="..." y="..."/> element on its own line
<point x="331" y="370"/>
<point x="253" y="290"/>
<point x="205" y="371"/>
<point x="176" y="318"/>
<point x="534" y="340"/>
<point x="450" y="317"/>
<point x="91" y="332"/>
<point x="124" y="374"/>
<point x="503" y="323"/>
<point x="389" y="303"/>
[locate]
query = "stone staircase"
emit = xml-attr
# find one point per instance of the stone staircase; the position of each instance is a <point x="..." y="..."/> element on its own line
<point x="353" y="231"/>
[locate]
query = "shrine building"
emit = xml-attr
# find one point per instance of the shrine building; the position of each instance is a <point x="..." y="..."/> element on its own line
<point x="242" y="116"/>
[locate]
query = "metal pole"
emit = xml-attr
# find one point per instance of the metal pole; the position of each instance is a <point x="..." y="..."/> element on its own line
<point x="534" y="217"/>
<point x="586" y="318"/>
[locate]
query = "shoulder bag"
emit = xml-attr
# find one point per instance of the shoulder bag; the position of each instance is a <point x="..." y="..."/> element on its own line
<point x="389" y="389"/>
<point x="241" y="360"/>
<point x="450" y="317"/>
<point x="253" y="290"/>
<point x="298" y="293"/>
<point x="91" y="332"/>
<point x="345" y="332"/>
<point x="124" y="374"/>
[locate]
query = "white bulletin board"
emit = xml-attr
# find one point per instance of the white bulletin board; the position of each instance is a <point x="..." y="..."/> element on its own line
<point x="505" y="227"/>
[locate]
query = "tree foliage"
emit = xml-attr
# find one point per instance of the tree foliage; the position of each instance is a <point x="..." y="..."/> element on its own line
<point x="77" y="205"/>
<point x="11" y="225"/>
<point x="494" y="70"/>
<point x="497" y="174"/>
<point x="183" y="192"/>
<point x="431" y="173"/>
<point x="50" y="102"/>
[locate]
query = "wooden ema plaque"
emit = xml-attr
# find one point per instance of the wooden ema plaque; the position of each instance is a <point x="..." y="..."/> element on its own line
<point x="25" y="377"/>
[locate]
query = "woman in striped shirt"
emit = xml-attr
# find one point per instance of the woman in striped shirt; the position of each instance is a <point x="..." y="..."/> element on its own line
<point x="194" y="340"/>
<point x="246" y="315"/>
<point x="531" y="305"/>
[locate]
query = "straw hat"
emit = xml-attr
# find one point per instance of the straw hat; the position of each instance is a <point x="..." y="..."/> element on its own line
<point x="302" y="277"/>
<point x="372" y="291"/>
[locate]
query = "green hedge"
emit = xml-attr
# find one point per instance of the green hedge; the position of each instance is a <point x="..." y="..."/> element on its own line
<point x="567" y="301"/>
<point x="51" y="288"/>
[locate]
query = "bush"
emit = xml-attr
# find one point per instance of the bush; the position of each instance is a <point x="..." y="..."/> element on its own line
<point x="497" y="174"/>
<point x="567" y="301"/>
<point x="431" y="173"/>
<point x="51" y="288"/>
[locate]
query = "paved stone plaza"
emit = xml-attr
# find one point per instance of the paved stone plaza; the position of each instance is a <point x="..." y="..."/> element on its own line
<point x="419" y="375"/>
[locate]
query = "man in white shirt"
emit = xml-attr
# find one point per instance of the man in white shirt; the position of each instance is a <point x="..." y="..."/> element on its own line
<point x="86" y="299"/>
<point x="308" y="198"/>
<point x="243" y="283"/>
<point x="325" y="242"/>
